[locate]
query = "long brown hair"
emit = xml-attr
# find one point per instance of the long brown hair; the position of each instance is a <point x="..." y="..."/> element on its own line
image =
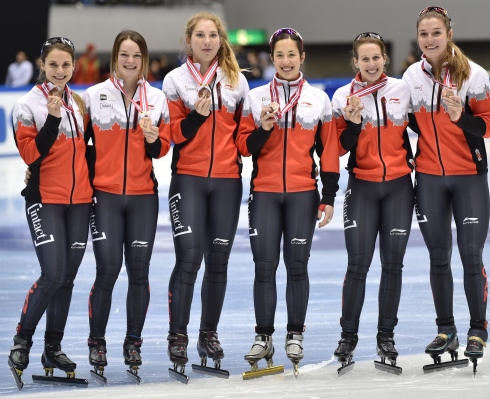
<point x="226" y="56"/>
<point x="42" y="75"/>
<point x="140" y="41"/>
<point x="459" y="65"/>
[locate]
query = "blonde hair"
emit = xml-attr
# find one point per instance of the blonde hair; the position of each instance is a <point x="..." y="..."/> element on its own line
<point x="226" y="56"/>
<point x="459" y="65"/>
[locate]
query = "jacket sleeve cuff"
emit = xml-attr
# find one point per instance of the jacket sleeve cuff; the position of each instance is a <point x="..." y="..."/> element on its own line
<point x="191" y="124"/>
<point x="257" y="139"/>
<point x="153" y="149"/>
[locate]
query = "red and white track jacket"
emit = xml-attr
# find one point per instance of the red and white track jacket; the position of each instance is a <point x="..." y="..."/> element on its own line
<point x="444" y="147"/>
<point x="379" y="147"/>
<point x="54" y="148"/>
<point x="283" y="157"/>
<point x="121" y="158"/>
<point x="204" y="146"/>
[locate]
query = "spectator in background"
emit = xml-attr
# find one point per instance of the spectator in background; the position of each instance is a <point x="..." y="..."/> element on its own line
<point x="411" y="58"/>
<point x="19" y="72"/>
<point x="87" y="67"/>
<point x="165" y="66"/>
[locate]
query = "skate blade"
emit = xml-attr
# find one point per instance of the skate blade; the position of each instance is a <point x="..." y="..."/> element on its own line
<point x="296" y="369"/>
<point x="345" y="369"/>
<point x="181" y="377"/>
<point x="428" y="368"/>
<point x="17" y="375"/>
<point x="133" y="376"/>
<point x="389" y="368"/>
<point x="52" y="380"/>
<point x="212" y="371"/>
<point x="251" y="374"/>
<point x="99" y="378"/>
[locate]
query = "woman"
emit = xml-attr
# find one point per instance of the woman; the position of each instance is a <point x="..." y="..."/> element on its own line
<point x="48" y="125"/>
<point x="451" y="105"/>
<point x="283" y="122"/>
<point x="205" y="96"/>
<point x="371" y="114"/>
<point x="128" y="123"/>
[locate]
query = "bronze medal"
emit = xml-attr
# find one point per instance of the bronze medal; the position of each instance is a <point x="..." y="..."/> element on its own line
<point x="274" y="106"/>
<point x="204" y="92"/>
<point x="145" y="122"/>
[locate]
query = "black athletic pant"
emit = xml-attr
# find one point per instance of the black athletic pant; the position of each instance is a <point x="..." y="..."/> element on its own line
<point x="59" y="233"/>
<point x="292" y="217"/>
<point x="122" y="223"/>
<point x="438" y="199"/>
<point x="371" y="208"/>
<point x="204" y="214"/>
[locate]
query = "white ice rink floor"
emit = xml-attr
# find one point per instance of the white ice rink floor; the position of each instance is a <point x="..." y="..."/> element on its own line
<point x="318" y="376"/>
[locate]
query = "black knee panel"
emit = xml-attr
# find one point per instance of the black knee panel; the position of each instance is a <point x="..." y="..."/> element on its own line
<point x="297" y="271"/>
<point x="357" y="272"/>
<point x="265" y="270"/>
<point x="137" y="272"/>
<point x="190" y="265"/>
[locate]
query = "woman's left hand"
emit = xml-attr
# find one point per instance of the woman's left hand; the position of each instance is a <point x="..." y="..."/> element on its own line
<point x="327" y="214"/>
<point x="150" y="133"/>
<point x="454" y="106"/>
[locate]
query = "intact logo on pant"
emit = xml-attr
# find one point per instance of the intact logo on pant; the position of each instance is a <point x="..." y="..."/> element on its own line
<point x="348" y="224"/>
<point x="299" y="241"/>
<point x="178" y="228"/>
<point x="41" y="237"/>
<point x="468" y="220"/>
<point x="96" y="236"/>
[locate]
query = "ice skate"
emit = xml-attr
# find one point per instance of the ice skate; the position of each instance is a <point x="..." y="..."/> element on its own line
<point x="97" y="358"/>
<point x="177" y="353"/>
<point x="474" y="350"/>
<point x="294" y="349"/>
<point x="208" y="346"/>
<point x="385" y="347"/>
<point x="18" y="359"/>
<point x="345" y="352"/>
<point x="132" y="358"/>
<point x="261" y="349"/>
<point x="444" y="343"/>
<point x="54" y="358"/>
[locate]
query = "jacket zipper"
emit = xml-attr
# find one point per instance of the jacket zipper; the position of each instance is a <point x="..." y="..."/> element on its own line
<point x="286" y="99"/>
<point x="383" y="102"/>
<point x="126" y="144"/>
<point x="439" y="92"/>
<point x="211" y="161"/>
<point x="73" y="158"/>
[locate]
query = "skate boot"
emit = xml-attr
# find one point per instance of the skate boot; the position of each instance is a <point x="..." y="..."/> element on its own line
<point x="294" y="349"/>
<point x="177" y="353"/>
<point x="441" y="344"/>
<point x="385" y="347"/>
<point x="132" y="358"/>
<point x="474" y="350"/>
<point x="18" y="359"/>
<point x="345" y="352"/>
<point x="97" y="358"/>
<point x="261" y="349"/>
<point x="208" y="345"/>
<point x="54" y="358"/>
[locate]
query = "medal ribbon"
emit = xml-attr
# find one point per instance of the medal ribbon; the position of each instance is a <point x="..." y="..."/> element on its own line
<point x="368" y="89"/>
<point x="447" y="76"/>
<point x="143" y="108"/>
<point x="47" y="86"/>
<point x="293" y="100"/>
<point x="208" y="76"/>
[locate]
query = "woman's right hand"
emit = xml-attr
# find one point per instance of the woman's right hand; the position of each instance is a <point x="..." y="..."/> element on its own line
<point x="54" y="106"/>
<point x="267" y="119"/>
<point x="27" y="176"/>
<point x="203" y="106"/>
<point x="352" y="111"/>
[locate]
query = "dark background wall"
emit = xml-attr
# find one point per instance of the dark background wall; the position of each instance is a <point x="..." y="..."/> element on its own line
<point x="24" y="26"/>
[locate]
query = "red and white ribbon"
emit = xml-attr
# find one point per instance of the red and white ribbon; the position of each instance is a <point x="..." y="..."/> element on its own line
<point x="142" y="106"/>
<point x="196" y="74"/>
<point x="293" y="100"/>
<point x="368" y="89"/>
<point x="48" y="86"/>
<point x="447" y="81"/>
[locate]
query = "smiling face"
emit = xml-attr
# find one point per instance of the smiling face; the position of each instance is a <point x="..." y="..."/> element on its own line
<point x="370" y="61"/>
<point x="129" y="61"/>
<point x="204" y="42"/>
<point x="432" y="38"/>
<point x="58" y="67"/>
<point x="287" y="59"/>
